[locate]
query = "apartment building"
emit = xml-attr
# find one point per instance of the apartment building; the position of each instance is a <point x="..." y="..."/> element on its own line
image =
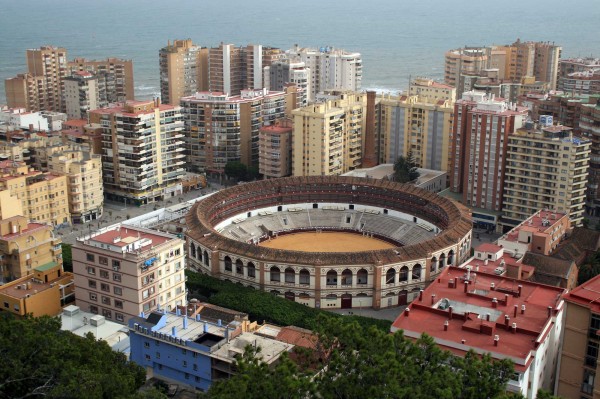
<point x="115" y="77"/>
<point x="579" y="75"/>
<point x="477" y="157"/>
<point x="183" y="70"/>
<point x="331" y="68"/>
<point x="420" y="124"/>
<point x="589" y="127"/>
<point x="43" y="196"/>
<point x="431" y="91"/>
<point x="546" y="168"/>
<point x="488" y="313"/>
<point x="327" y="137"/>
<point x="20" y="118"/>
<point x="25" y="247"/>
<point x="84" y="181"/>
<point x="275" y="149"/>
<point x="233" y="69"/>
<point x="284" y="72"/>
<point x="121" y="271"/>
<point x="41" y="87"/>
<point x="220" y="128"/>
<point x="143" y="151"/>
<point x="81" y="94"/>
<point x="581" y="343"/>
<point x="464" y="61"/>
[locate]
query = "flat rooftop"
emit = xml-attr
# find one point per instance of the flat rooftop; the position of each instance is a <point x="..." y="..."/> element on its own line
<point x="469" y="314"/>
<point x="80" y="323"/>
<point x="540" y="222"/>
<point x="120" y="238"/>
<point x="29" y="286"/>
<point x="586" y="295"/>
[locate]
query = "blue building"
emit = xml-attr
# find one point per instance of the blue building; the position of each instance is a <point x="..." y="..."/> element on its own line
<point x="190" y="350"/>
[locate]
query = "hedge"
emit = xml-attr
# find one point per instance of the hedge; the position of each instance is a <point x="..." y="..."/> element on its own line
<point x="263" y="306"/>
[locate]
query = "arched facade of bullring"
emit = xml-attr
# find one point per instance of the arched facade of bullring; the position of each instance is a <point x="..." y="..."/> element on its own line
<point x="378" y="279"/>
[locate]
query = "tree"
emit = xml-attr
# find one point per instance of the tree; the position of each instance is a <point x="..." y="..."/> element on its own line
<point x="38" y="359"/>
<point x="67" y="257"/>
<point x="405" y="169"/>
<point x="236" y="170"/>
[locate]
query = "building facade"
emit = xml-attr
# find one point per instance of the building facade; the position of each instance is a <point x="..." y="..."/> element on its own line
<point x="589" y="126"/>
<point x="42" y="86"/>
<point x="26" y="246"/>
<point x="183" y="70"/>
<point x="81" y="94"/>
<point x="477" y="158"/>
<point x="122" y="271"/>
<point x="115" y="77"/>
<point x="327" y="137"/>
<point x="220" y="128"/>
<point x="143" y="151"/>
<point x="546" y="168"/>
<point x="275" y="149"/>
<point x="284" y="72"/>
<point x="581" y="343"/>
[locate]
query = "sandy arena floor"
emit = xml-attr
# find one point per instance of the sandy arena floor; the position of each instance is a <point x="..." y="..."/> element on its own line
<point x="327" y="241"/>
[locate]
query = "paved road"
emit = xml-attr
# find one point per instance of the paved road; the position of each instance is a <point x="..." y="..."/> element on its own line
<point x="118" y="212"/>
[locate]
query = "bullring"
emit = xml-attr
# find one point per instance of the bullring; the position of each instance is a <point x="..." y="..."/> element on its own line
<point x="226" y="233"/>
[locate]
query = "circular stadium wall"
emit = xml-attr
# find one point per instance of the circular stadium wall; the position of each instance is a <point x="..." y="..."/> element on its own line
<point x="227" y="235"/>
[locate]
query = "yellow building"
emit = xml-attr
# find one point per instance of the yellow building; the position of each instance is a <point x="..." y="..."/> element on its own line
<point x="43" y="196"/>
<point x="431" y="91"/>
<point x="25" y="247"/>
<point x="84" y="181"/>
<point x="420" y="124"/>
<point x="327" y="137"/>
<point x="183" y="70"/>
<point x="44" y="292"/>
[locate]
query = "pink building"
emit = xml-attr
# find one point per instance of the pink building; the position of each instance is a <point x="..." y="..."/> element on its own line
<point x="121" y="271"/>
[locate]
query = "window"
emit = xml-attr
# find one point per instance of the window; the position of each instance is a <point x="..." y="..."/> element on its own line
<point x="93" y="296"/>
<point x="105" y="300"/>
<point x="116" y="263"/>
<point x="6" y="305"/>
<point x="195" y="367"/>
<point x="104" y="274"/>
<point x="91" y="270"/>
<point x="119" y="317"/>
<point x="157" y="355"/>
<point x="92" y="283"/>
<point x="90" y="257"/>
<point x="103" y="260"/>
<point x="93" y="309"/>
<point x="105" y="287"/>
<point x="146" y="345"/>
<point x="147" y="357"/>
<point x="117" y="277"/>
<point x="118" y="290"/>
<point x="587" y="385"/>
<point x="107" y="313"/>
<point x="185" y="363"/>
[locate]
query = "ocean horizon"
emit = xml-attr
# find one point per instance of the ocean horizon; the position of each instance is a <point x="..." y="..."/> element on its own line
<point x="397" y="39"/>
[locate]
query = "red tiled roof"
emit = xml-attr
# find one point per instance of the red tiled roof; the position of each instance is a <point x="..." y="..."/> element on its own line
<point x="587" y="295"/>
<point x="297" y="336"/>
<point x="488" y="247"/>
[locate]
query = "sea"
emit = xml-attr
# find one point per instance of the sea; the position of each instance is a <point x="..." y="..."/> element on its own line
<point x="398" y="39"/>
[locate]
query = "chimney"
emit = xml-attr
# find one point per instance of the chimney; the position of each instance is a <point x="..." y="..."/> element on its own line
<point x="522" y="309"/>
<point x="205" y="328"/>
<point x="432" y="299"/>
<point x="177" y="311"/>
<point x="174" y="331"/>
<point x="505" y="299"/>
<point x="464" y="341"/>
<point x="185" y="322"/>
<point x="495" y="303"/>
<point x="142" y="315"/>
<point x="549" y="311"/>
<point x="219" y="323"/>
<point x="487" y="317"/>
<point x="369" y="159"/>
<point x="198" y="317"/>
<point x="492" y="287"/>
<point x="520" y="289"/>
<point x="407" y="312"/>
<point x="450" y="310"/>
<point x="496" y="339"/>
<point x="455" y="282"/>
<point x="514" y="328"/>
<point x="466" y="286"/>
<point x="446" y="325"/>
<point x="420" y="295"/>
<point x="506" y="321"/>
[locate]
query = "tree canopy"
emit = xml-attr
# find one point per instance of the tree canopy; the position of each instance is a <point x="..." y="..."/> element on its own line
<point x="405" y="169"/>
<point x="41" y="360"/>
<point x="590" y="269"/>
<point x="370" y="363"/>
<point x="67" y="257"/>
<point x="236" y="170"/>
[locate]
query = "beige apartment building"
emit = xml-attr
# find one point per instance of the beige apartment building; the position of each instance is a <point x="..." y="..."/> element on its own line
<point x="546" y="168"/>
<point x="81" y="94"/>
<point x="183" y="70"/>
<point x="43" y="196"/>
<point x="327" y="137"/>
<point x="143" y="151"/>
<point x="26" y="246"/>
<point x="115" y="77"/>
<point x="275" y="149"/>
<point x="578" y="363"/>
<point x="220" y="128"/>
<point x="122" y="271"/>
<point x="420" y="123"/>
<point x="41" y="87"/>
<point x="84" y="181"/>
